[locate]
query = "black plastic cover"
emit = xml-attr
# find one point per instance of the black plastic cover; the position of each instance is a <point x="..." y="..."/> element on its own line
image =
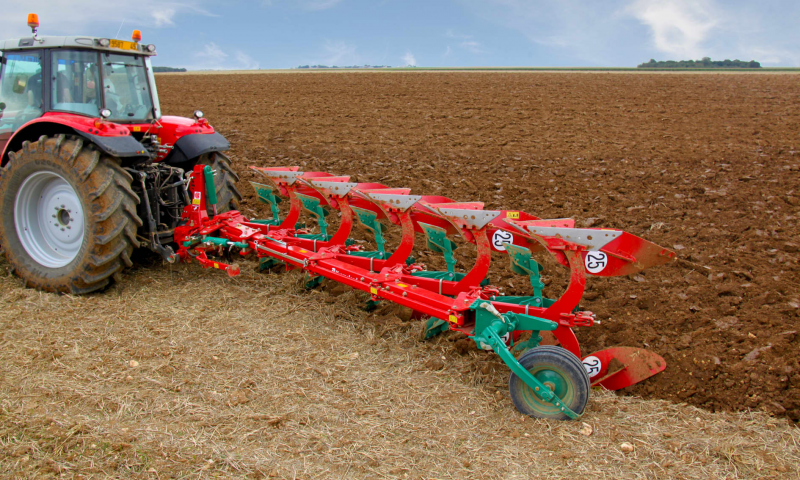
<point x="192" y="146"/>
<point x="123" y="147"/>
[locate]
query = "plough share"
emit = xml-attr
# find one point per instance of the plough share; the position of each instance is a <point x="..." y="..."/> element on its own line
<point x="546" y="381"/>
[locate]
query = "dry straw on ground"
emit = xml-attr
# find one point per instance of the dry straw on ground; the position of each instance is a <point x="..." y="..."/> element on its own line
<point x="180" y="372"/>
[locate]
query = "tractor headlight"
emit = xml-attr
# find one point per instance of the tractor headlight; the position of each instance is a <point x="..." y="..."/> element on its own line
<point x="198" y="114"/>
<point x="104" y="42"/>
<point x="105" y="113"/>
<point x="150" y="48"/>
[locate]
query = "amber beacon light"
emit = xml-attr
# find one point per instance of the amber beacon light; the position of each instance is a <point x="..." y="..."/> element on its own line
<point x="33" y="20"/>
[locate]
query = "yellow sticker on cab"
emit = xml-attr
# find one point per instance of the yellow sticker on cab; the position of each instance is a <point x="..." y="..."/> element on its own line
<point x="122" y="44"/>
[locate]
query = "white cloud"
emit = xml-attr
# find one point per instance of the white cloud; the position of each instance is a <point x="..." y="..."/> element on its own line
<point x="678" y="27"/>
<point x="409" y="59"/>
<point x="340" y="53"/>
<point x="448" y="51"/>
<point x="471" y="46"/>
<point x="772" y="56"/>
<point x="465" y="42"/>
<point x="211" y="53"/>
<point x="213" y="57"/>
<point x="319" y="4"/>
<point x="164" y="17"/>
<point x="246" y="61"/>
<point x="99" y="18"/>
<point x="310" y="5"/>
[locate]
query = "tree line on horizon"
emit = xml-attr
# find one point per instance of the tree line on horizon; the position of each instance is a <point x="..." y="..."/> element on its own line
<point x="168" y="70"/>
<point x="706" y="62"/>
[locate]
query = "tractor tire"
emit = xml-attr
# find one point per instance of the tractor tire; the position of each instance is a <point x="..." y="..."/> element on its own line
<point x="68" y="215"/>
<point x="228" y="196"/>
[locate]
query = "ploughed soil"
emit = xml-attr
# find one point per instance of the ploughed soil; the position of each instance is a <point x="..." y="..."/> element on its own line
<point x="706" y="165"/>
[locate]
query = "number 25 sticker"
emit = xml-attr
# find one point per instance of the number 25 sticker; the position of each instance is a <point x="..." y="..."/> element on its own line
<point x="592" y="365"/>
<point x="500" y="238"/>
<point x="596" y="261"/>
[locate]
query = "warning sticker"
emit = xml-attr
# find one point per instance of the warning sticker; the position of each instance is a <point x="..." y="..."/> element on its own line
<point x="197" y="197"/>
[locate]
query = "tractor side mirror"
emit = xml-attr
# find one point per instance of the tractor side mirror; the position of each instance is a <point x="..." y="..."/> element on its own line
<point x="20" y="82"/>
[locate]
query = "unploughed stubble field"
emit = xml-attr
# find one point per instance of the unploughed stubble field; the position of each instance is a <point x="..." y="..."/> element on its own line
<point x="181" y="371"/>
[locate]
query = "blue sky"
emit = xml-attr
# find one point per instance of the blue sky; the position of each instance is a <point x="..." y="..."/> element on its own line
<point x="286" y="33"/>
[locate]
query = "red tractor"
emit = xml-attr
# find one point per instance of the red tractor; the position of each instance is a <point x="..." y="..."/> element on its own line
<point x="90" y="167"/>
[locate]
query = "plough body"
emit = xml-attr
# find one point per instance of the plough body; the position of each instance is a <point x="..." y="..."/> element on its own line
<point x="553" y="381"/>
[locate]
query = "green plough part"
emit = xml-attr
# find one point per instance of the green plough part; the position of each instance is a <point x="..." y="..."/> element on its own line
<point x="322" y="237"/>
<point x="220" y="242"/>
<point x="433" y="327"/>
<point x="523" y="264"/>
<point x="370" y="221"/>
<point x="312" y="206"/>
<point x="266" y="194"/>
<point x="452" y="276"/>
<point x="437" y="241"/>
<point x="526" y="301"/>
<point x="491" y="326"/>
<point x="211" y="189"/>
<point x="268" y="262"/>
<point x="313" y="282"/>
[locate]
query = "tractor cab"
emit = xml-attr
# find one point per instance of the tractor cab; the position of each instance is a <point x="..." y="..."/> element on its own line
<point x="86" y="76"/>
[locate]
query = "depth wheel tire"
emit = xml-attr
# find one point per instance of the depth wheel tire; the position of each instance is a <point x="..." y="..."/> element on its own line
<point x="559" y="370"/>
<point x="228" y="196"/>
<point x="68" y="215"/>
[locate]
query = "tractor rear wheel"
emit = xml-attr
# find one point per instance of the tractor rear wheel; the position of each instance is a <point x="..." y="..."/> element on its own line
<point x="68" y="215"/>
<point x="561" y="372"/>
<point x="228" y="196"/>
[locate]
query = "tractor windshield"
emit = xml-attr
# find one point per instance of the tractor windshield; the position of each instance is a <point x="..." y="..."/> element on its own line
<point x="85" y="81"/>
<point x="126" y="89"/>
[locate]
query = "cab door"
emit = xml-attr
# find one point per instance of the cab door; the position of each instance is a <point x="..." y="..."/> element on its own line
<point x="21" y="91"/>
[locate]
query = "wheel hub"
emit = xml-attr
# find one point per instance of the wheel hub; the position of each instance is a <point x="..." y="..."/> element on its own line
<point x="49" y="218"/>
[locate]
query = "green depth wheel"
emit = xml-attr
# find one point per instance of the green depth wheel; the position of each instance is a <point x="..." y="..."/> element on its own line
<point x="561" y="372"/>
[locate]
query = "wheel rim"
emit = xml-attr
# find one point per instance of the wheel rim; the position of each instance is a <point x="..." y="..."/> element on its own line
<point x="557" y="381"/>
<point x="49" y="218"/>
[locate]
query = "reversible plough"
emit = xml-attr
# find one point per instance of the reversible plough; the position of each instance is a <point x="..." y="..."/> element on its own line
<point x="546" y="381"/>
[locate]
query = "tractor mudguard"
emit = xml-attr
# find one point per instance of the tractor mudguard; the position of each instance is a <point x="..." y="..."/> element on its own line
<point x="192" y="146"/>
<point x="117" y="145"/>
<point x="122" y="147"/>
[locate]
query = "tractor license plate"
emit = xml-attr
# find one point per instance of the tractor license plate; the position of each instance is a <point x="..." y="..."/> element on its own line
<point x="124" y="45"/>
